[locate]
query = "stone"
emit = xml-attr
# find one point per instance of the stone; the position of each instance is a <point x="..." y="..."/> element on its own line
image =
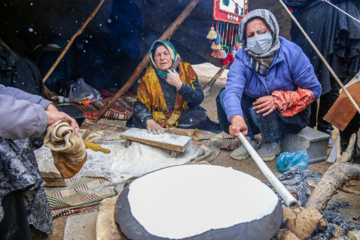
<point x="48" y="171"/>
<point x="106" y="227"/>
<point x="285" y="234"/>
<point x="313" y="142"/>
<point x="302" y="221"/>
<point x="81" y="227"/>
<point x="312" y="183"/>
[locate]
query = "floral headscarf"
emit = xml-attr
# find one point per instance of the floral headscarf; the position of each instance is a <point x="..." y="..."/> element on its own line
<point x="173" y="53"/>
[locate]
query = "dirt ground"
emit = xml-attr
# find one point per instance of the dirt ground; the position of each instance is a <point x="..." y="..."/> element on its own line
<point x="205" y="73"/>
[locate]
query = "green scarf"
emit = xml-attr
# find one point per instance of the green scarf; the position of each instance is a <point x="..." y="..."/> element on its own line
<point x="174" y="55"/>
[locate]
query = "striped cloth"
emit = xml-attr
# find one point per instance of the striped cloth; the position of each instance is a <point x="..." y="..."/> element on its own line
<point x="81" y="193"/>
<point x="121" y="109"/>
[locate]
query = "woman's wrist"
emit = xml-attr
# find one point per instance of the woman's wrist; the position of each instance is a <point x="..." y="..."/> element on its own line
<point x="179" y="85"/>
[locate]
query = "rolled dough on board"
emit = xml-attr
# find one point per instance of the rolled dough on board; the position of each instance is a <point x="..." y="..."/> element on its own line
<point x="185" y="201"/>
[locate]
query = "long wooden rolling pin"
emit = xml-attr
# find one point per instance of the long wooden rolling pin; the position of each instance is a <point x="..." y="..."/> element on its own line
<point x="283" y="192"/>
<point x="95" y="147"/>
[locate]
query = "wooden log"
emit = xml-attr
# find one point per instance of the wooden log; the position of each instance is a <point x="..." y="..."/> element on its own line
<point x="166" y="35"/>
<point x="206" y="88"/>
<point x="336" y="176"/>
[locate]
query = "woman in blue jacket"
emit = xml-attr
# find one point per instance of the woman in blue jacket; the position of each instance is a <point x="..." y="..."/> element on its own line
<point x="269" y="87"/>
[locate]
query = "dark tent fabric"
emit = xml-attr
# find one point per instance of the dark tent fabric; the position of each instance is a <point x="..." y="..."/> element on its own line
<point x="336" y="35"/>
<point x="20" y="73"/>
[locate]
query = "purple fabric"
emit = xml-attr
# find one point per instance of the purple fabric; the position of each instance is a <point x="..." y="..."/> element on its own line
<point x="289" y="70"/>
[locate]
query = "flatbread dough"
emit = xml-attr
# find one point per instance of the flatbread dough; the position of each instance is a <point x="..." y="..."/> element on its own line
<point x="188" y="200"/>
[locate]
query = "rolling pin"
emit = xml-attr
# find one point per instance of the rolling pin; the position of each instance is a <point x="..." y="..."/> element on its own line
<point x="95" y="147"/>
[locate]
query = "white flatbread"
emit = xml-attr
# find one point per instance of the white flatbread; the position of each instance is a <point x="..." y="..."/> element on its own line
<point x="188" y="200"/>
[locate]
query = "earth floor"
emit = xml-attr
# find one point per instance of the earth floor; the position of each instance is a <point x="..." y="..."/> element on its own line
<point x="205" y="73"/>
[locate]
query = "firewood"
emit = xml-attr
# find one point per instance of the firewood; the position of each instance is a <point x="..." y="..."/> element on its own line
<point x="334" y="178"/>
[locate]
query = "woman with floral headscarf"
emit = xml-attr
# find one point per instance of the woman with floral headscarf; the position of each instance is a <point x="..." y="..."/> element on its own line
<point x="169" y="94"/>
<point x="269" y="87"/>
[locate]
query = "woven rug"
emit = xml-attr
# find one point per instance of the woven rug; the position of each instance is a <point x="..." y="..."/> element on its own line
<point x="81" y="193"/>
<point x="121" y="109"/>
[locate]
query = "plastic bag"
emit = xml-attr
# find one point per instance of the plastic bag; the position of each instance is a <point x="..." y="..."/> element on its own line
<point x="80" y="91"/>
<point x="287" y="160"/>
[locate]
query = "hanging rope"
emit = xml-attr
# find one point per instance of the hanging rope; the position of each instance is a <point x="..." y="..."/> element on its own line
<point x="321" y="57"/>
<point x="341" y="10"/>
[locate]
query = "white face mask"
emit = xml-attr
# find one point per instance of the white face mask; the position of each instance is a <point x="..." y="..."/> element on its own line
<point x="260" y="44"/>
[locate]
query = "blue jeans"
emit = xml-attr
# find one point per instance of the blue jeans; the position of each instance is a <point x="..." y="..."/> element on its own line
<point x="271" y="127"/>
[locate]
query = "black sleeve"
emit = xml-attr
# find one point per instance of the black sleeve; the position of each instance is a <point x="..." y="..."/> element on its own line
<point x="191" y="95"/>
<point x="142" y="112"/>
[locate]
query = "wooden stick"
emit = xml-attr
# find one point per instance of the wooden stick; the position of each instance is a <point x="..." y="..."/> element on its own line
<point x="48" y="93"/>
<point x="4" y="44"/>
<point x="206" y="88"/>
<point x="349" y="190"/>
<point x="167" y="34"/>
<point x="72" y="40"/>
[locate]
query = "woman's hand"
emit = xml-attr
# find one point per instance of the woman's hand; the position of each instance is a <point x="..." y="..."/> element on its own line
<point x="153" y="127"/>
<point x="54" y="116"/>
<point x="238" y="125"/>
<point x="265" y="104"/>
<point x="173" y="78"/>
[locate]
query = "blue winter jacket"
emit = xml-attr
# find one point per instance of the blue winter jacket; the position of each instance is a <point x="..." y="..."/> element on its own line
<point x="289" y="70"/>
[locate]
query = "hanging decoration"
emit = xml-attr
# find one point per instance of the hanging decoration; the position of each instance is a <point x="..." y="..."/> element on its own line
<point x="227" y="15"/>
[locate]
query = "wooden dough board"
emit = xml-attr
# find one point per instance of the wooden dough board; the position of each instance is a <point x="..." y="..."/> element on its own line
<point x="166" y="141"/>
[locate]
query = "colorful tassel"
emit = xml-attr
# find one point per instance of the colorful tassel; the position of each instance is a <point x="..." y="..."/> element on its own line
<point x="231" y="57"/>
<point x="215" y="46"/>
<point x="218" y="39"/>
<point x="216" y="54"/>
<point x="223" y="53"/>
<point x="212" y="34"/>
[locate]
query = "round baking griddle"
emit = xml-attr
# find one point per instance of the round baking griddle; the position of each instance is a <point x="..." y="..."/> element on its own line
<point x="263" y="228"/>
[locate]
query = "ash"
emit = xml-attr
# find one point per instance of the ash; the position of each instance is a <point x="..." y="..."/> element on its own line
<point x="336" y="227"/>
<point x="296" y="182"/>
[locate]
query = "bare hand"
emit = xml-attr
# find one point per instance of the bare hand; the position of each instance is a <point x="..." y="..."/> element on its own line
<point x="153" y="127"/>
<point x="265" y="104"/>
<point x="238" y="125"/>
<point x="173" y="78"/>
<point x="54" y="116"/>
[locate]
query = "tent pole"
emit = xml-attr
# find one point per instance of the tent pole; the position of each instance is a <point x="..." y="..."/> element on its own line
<point x="206" y="88"/>
<point x="322" y="58"/>
<point x="72" y="40"/>
<point x="167" y="34"/>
